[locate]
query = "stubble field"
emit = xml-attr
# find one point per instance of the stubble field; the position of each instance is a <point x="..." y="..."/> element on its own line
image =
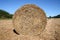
<point x="51" y="31"/>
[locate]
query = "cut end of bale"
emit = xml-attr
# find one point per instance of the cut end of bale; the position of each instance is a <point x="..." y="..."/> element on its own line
<point x="29" y="20"/>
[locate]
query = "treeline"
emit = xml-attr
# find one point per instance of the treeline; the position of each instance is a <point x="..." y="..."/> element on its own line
<point x="57" y="16"/>
<point x="5" y="15"/>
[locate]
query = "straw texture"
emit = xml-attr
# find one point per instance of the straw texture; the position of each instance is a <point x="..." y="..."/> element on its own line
<point x="29" y="20"/>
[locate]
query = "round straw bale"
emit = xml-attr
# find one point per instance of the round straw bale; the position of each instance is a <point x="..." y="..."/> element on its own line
<point x="29" y="20"/>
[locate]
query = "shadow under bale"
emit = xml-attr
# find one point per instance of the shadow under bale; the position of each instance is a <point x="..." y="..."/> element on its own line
<point x="15" y="32"/>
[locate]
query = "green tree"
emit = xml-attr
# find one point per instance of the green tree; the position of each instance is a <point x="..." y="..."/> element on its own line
<point x="4" y="14"/>
<point x="58" y="16"/>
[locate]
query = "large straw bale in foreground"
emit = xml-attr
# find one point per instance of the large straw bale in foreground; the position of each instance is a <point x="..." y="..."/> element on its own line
<point x="29" y="20"/>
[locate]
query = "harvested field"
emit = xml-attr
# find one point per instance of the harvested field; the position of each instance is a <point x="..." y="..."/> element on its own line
<point x="6" y="30"/>
<point x="51" y="32"/>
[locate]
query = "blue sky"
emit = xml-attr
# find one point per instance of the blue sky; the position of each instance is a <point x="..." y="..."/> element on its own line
<point x="51" y="7"/>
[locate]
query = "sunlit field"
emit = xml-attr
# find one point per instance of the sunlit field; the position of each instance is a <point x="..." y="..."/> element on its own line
<point x="51" y="31"/>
